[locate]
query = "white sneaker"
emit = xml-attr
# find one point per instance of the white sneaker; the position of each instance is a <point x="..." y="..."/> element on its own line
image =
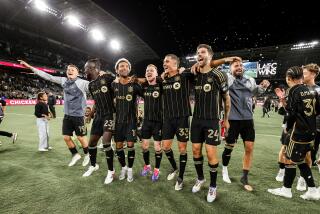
<point x="90" y="170"/>
<point x="123" y="173"/>
<point x="50" y="148"/>
<point x="74" y="159"/>
<point x="129" y="175"/>
<point x="14" y="137"/>
<point x="284" y="192"/>
<point x="212" y="194"/>
<point x="311" y="194"/>
<point x="197" y="186"/>
<point x="43" y="150"/>
<point x="301" y="184"/>
<point x="225" y="175"/>
<point x="179" y="184"/>
<point x="280" y="175"/>
<point x="172" y="175"/>
<point x="110" y="177"/>
<point x="86" y="160"/>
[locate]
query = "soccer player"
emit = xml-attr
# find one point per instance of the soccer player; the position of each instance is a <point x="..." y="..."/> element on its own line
<point x="74" y="90"/>
<point x="210" y="85"/>
<point x="152" y="122"/>
<point x="14" y="136"/>
<point x="302" y="107"/>
<point x="125" y="92"/>
<point x="103" y="123"/>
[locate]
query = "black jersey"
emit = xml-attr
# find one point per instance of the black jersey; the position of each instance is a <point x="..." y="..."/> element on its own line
<point x="152" y="102"/>
<point x="40" y="109"/>
<point x="209" y="88"/>
<point x="315" y="89"/>
<point x="126" y="101"/>
<point x="176" y="91"/>
<point x="302" y="108"/>
<point x="102" y="93"/>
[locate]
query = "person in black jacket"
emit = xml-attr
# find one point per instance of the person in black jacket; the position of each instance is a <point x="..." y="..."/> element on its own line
<point x="52" y="102"/>
<point x="4" y="133"/>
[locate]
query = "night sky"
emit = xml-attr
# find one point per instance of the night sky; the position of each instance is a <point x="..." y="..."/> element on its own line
<point x="169" y="26"/>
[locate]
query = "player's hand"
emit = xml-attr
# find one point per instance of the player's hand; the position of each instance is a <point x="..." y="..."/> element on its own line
<point x="226" y="124"/>
<point x="280" y="93"/>
<point x="101" y="73"/>
<point x="163" y="75"/>
<point x="231" y="59"/>
<point x="24" y="64"/>
<point x="181" y="69"/>
<point x="116" y="80"/>
<point x="195" y="68"/>
<point x="265" y="84"/>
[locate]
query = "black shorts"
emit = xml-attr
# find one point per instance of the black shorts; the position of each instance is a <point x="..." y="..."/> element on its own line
<point x="151" y="129"/>
<point x="125" y="132"/>
<point x="296" y="151"/>
<point x="176" y="126"/>
<point x="72" y="124"/>
<point x="205" y="131"/>
<point x="243" y="127"/>
<point x="102" y="124"/>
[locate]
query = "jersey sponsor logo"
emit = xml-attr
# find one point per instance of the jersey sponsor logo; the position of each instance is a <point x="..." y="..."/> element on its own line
<point x="207" y="87"/>
<point x="129" y="97"/>
<point x="130" y="89"/>
<point x="176" y="85"/>
<point x="155" y="94"/>
<point x="104" y="89"/>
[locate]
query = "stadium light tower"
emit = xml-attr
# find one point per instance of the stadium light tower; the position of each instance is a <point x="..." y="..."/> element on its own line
<point x="115" y="44"/>
<point x="40" y="5"/>
<point x="73" y="21"/>
<point x="97" y="35"/>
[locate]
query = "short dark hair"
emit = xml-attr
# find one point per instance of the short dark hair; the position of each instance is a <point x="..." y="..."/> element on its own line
<point x="208" y="47"/>
<point x="295" y="72"/>
<point x="40" y="94"/>
<point x="72" y="65"/>
<point x="235" y="60"/>
<point x="173" y="56"/>
<point x="96" y="61"/>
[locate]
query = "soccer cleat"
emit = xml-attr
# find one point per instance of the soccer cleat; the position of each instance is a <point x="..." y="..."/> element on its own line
<point x="311" y="194"/>
<point x="146" y="170"/>
<point x="212" y="194"/>
<point x="129" y="175"/>
<point x="246" y="184"/>
<point x="74" y="159"/>
<point x="50" y="148"/>
<point x="110" y="177"/>
<point x="172" y="174"/>
<point x="197" y="186"/>
<point x="123" y="173"/>
<point x="283" y="192"/>
<point x="155" y="175"/>
<point x="90" y="170"/>
<point x="43" y="150"/>
<point x="14" y="137"/>
<point x="301" y="184"/>
<point x="225" y="175"/>
<point x="179" y="184"/>
<point x="280" y="175"/>
<point x="86" y="160"/>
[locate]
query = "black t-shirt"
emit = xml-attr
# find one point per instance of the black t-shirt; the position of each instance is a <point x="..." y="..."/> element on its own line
<point x="209" y="88"/>
<point x="102" y="93"/>
<point x="40" y="109"/>
<point x="302" y="107"/>
<point x="176" y="91"/>
<point x="126" y="101"/>
<point x="152" y="101"/>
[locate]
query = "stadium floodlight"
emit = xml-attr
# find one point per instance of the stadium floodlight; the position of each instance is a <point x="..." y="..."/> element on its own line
<point x="40" y="5"/>
<point x="192" y="58"/>
<point x="115" y="44"/>
<point x="303" y="45"/>
<point x="97" y="35"/>
<point x="73" y="21"/>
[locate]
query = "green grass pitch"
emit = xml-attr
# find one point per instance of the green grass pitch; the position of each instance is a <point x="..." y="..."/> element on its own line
<point x="34" y="182"/>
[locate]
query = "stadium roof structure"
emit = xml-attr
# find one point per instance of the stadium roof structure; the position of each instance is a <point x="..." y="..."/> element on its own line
<point x="20" y="15"/>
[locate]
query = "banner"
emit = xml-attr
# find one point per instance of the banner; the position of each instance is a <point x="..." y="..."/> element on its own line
<point x="267" y="69"/>
<point x="250" y="68"/>
<point x="16" y="65"/>
<point x="17" y="102"/>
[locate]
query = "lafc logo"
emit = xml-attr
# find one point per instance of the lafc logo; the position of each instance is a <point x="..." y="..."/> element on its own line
<point x="155" y="94"/>
<point x="129" y="97"/>
<point x="176" y="85"/>
<point x="207" y="87"/>
<point x="104" y="89"/>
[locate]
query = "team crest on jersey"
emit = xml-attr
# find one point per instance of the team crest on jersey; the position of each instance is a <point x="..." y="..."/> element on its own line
<point x="210" y="79"/>
<point x="155" y="94"/>
<point x="177" y="78"/>
<point x="103" y="82"/>
<point x="176" y="85"/>
<point x="129" y="97"/>
<point x="104" y="89"/>
<point x="130" y="89"/>
<point x="207" y="87"/>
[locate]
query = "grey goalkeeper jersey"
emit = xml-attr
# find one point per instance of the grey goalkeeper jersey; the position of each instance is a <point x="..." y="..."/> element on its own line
<point x="241" y="91"/>
<point x="74" y="92"/>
